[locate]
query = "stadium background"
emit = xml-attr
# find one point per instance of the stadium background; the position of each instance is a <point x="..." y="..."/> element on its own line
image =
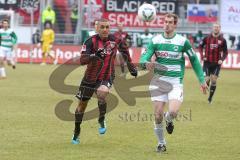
<point x="26" y="18"/>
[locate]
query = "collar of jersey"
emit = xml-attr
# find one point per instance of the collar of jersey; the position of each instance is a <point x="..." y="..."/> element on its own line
<point x="169" y="38"/>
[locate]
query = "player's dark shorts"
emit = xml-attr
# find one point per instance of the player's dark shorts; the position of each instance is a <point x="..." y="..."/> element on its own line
<point x="86" y="90"/>
<point x="211" y="68"/>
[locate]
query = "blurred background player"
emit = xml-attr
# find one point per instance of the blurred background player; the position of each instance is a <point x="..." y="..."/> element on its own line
<point x="144" y="39"/>
<point x="99" y="53"/>
<point x="74" y="17"/>
<point x="124" y="36"/>
<point x="8" y="40"/>
<point x="36" y="37"/>
<point x="215" y="52"/>
<point x="47" y="40"/>
<point x="48" y="15"/>
<point x="93" y="32"/>
<point x="169" y="48"/>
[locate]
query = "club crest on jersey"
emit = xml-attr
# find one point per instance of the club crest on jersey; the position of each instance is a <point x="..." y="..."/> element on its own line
<point x="83" y="48"/>
<point x="111" y="44"/>
<point x="175" y="48"/>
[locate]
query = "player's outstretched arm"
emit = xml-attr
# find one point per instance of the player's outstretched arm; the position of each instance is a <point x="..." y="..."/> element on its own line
<point x="123" y="48"/>
<point x="224" y="53"/>
<point x="145" y="59"/>
<point x="195" y="65"/>
<point x="14" y="37"/>
<point x="200" y="47"/>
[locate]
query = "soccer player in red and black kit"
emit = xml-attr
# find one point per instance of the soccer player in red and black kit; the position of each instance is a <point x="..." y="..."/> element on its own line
<point x="125" y="37"/>
<point x="215" y="52"/>
<point x="99" y="53"/>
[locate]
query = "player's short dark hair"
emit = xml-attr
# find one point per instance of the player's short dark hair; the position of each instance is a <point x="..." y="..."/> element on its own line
<point x="5" y="20"/>
<point x="102" y="20"/>
<point x="175" y="17"/>
<point x="48" y="22"/>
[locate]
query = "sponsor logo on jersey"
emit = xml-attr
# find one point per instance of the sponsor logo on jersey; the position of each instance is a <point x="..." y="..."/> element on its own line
<point x="213" y="46"/>
<point x="162" y="54"/>
<point x="112" y="44"/>
<point x="167" y="41"/>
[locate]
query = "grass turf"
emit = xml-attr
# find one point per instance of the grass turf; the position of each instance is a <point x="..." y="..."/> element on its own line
<point x="30" y="129"/>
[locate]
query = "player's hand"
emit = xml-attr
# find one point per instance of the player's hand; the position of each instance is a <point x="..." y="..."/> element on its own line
<point x="220" y="62"/>
<point x="134" y="72"/>
<point x="204" y="58"/>
<point x="132" y="69"/>
<point x="39" y="45"/>
<point x="50" y="46"/>
<point x="101" y="53"/>
<point x="150" y="66"/>
<point x="204" y="88"/>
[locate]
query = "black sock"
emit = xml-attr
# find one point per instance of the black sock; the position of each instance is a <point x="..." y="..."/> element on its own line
<point x="212" y="90"/>
<point x="122" y="67"/>
<point x="78" y="121"/>
<point x="102" y="106"/>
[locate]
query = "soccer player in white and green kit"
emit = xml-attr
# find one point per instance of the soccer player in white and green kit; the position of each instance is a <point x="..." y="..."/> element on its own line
<point x="169" y="49"/>
<point x="8" y="40"/>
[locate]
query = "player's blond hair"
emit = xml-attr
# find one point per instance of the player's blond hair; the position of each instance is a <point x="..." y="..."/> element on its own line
<point x="175" y="17"/>
<point x="217" y="23"/>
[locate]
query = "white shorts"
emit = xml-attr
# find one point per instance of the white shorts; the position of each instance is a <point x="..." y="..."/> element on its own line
<point x="6" y="53"/>
<point x="164" y="91"/>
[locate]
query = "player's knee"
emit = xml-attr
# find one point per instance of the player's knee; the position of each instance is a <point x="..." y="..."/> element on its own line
<point x="158" y="118"/>
<point x="214" y="78"/>
<point x="173" y="114"/>
<point x="213" y="82"/>
<point x="103" y="89"/>
<point x="102" y="93"/>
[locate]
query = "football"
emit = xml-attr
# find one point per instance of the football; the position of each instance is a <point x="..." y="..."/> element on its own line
<point x="146" y="12"/>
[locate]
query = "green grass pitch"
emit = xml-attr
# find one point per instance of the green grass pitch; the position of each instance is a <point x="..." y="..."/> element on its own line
<point x="30" y="129"/>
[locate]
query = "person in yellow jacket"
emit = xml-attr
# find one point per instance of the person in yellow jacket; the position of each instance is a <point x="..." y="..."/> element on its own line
<point x="48" y="14"/>
<point x="47" y="40"/>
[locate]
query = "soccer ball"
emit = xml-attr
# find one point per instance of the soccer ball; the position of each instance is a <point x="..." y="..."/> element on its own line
<point x="146" y="12"/>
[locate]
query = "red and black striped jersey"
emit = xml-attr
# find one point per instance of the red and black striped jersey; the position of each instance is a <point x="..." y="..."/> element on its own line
<point x="102" y="68"/>
<point x="215" y="48"/>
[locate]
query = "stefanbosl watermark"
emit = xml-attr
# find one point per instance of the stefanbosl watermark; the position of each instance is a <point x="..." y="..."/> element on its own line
<point x="122" y="85"/>
<point x="141" y="116"/>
